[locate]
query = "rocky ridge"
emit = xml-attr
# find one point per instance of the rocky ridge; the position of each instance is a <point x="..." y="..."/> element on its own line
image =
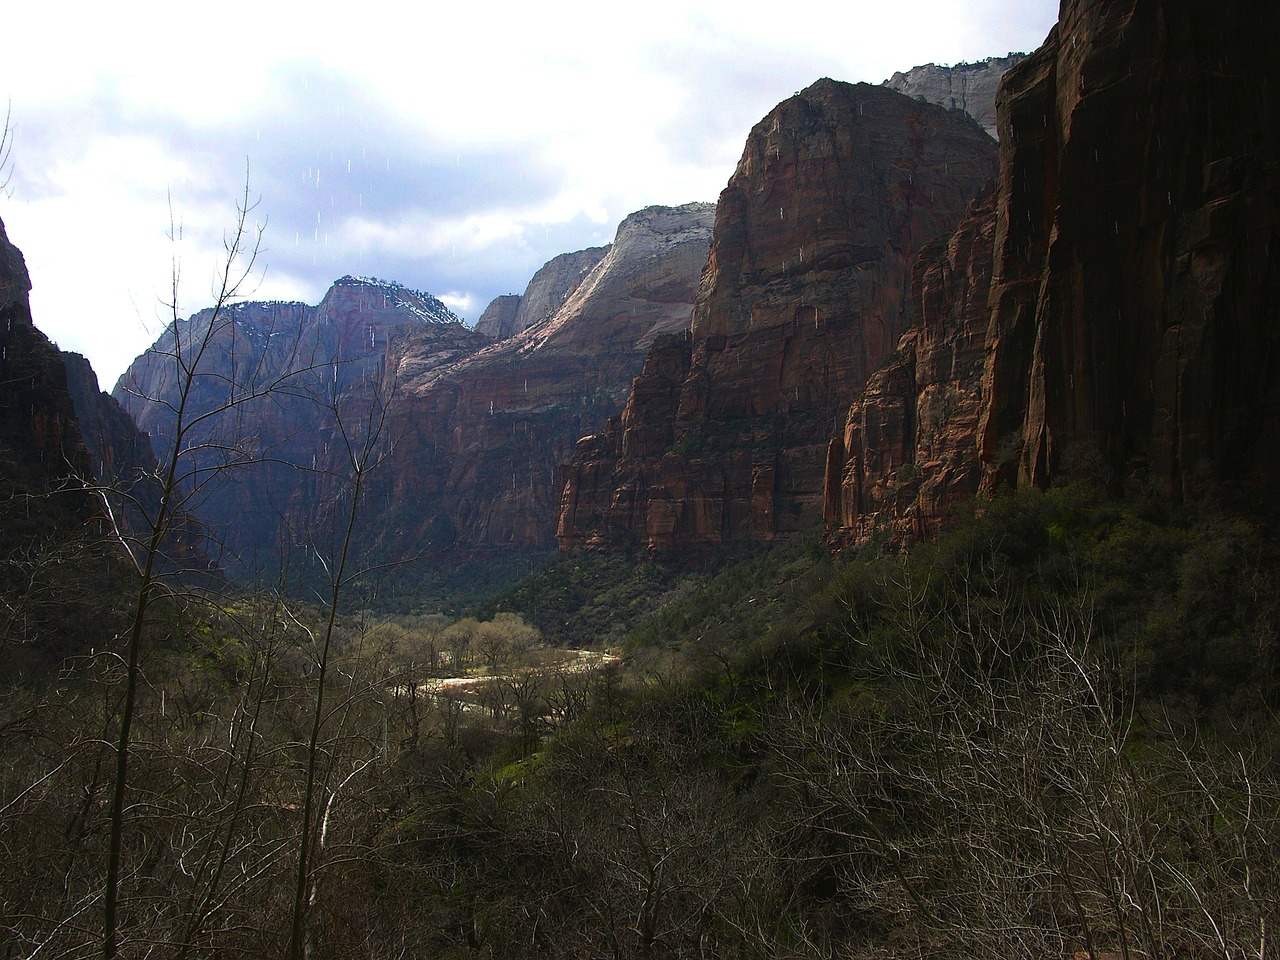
<point x="274" y="374"/>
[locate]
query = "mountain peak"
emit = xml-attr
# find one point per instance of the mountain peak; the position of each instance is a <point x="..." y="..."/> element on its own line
<point x="423" y="306"/>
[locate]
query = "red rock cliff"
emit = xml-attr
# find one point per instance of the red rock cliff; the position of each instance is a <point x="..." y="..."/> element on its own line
<point x="804" y="291"/>
<point x="1128" y="276"/>
<point x="908" y="452"/>
<point x="43" y="461"/>
<point x="1134" y="331"/>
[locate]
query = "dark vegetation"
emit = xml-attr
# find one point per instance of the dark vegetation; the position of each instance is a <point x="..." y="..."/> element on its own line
<point x="1053" y="732"/>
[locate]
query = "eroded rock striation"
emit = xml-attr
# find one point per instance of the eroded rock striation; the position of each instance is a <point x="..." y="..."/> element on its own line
<point x="1132" y="335"/>
<point x="970" y="87"/>
<point x="804" y="292"/>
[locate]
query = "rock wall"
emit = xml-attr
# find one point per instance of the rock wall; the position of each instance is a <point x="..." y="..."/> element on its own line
<point x="804" y="292"/>
<point x="1134" y="333"/>
<point x="908" y="453"/>
<point x="499" y="317"/>
<point x="1132" y="336"/>
<point x="260" y="408"/>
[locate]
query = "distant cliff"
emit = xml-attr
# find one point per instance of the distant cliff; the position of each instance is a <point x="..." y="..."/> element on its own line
<point x="970" y="87"/>
<point x="546" y="293"/>
<point x="263" y="395"/>
<point x="479" y="441"/>
<point x="805" y="290"/>
<point x="1123" y="282"/>
<point x="467" y="456"/>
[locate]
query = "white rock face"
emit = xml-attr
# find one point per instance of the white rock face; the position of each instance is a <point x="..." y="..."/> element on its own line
<point x="970" y="87"/>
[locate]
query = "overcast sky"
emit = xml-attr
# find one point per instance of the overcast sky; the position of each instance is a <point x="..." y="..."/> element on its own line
<point x="454" y="150"/>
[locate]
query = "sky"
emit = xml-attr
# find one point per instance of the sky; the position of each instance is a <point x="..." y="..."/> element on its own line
<point x="454" y="149"/>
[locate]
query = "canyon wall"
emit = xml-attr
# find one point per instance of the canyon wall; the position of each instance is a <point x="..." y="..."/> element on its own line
<point x="805" y="290"/>
<point x="260" y="385"/>
<point x="462" y="435"/>
<point x="1131" y="289"/>
<point x="478" y="442"/>
<point x="44" y="465"/>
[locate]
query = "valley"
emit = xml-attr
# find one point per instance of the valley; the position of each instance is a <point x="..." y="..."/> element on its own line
<point x="879" y="562"/>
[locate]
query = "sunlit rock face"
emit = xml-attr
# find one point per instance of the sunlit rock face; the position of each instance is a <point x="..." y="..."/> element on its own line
<point x="1128" y="274"/>
<point x="546" y="293"/>
<point x="970" y="87"/>
<point x="805" y="290"/>
<point x="478" y="442"/>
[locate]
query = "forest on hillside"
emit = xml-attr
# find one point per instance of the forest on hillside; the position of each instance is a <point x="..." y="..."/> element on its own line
<point x="1050" y="733"/>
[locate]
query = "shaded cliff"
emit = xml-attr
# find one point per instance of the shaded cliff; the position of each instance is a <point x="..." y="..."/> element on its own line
<point x="43" y="461"/>
<point x="499" y="317"/>
<point x="970" y="87"/>
<point x="804" y="292"/>
<point x="1131" y="328"/>
<point x="908" y="453"/>
<point x="61" y="573"/>
<point x="270" y="379"/>
<point x="1134" y="330"/>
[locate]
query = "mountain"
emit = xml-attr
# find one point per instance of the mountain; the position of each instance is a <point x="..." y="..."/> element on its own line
<point x="473" y="429"/>
<point x="970" y="87"/>
<point x="478" y="441"/>
<point x="268" y="381"/>
<point x="1119" y="286"/>
<point x="805" y="291"/>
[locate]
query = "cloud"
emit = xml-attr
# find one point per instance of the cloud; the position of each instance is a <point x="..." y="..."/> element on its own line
<point x="453" y="148"/>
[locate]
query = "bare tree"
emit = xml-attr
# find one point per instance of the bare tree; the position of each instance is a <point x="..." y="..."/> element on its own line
<point x="6" y="152"/>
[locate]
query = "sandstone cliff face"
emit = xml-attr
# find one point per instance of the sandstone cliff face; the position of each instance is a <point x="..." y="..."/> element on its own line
<point x="804" y="291"/>
<point x="1131" y="283"/>
<point x="970" y="87"/>
<point x="268" y="383"/>
<point x="478" y="442"/>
